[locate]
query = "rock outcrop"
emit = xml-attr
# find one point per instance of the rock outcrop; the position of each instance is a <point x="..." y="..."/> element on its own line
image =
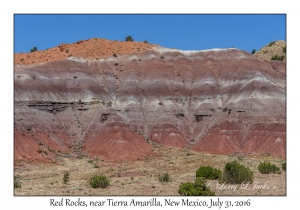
<point x="220" y="101"/>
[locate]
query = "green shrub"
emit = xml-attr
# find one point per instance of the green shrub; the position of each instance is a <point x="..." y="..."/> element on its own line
<point x="22" y="59"/>
<point x="129" y="39"/>
<point x="198" y="188"/>
<point x="97" y="181"/>
<point x="146" y="42"/>
<point x="33" y="49"/>
<point x="208" y="172"/>
<point x="235" y="173"/>
<point x="284" y="49"/>
<point x="165" y="177"/>
<point x="271" y="43"/>
<point x="39" y="150"/>
<point x="187" y="189"/>
<point x="253" y="51"/>
<point x="267" y="168"/>
<point x="17" y="184"/>
<point x="66" y="177"/>
<point x="283" y="166"/>
<point x="279" y="58"/>
<point x="67" y="51"/>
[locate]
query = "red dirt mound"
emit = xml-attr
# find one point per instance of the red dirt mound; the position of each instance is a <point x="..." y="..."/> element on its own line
<point x="116" y="142"/>
<point x="94" y="48"/>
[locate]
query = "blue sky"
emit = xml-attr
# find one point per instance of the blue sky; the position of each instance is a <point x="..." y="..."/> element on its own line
<point x="185" y="32"/>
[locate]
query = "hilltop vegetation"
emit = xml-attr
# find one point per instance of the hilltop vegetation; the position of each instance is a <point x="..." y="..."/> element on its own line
<point x="275" y="50"/>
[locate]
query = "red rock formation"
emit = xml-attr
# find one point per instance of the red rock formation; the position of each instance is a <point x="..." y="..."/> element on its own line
<point x="215" y="101"/>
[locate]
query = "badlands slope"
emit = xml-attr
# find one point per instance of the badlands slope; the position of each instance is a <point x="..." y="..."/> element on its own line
<point x="115" y="100"/>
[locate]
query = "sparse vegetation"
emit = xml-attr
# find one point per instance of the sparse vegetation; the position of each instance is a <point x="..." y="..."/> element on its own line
<point x="208" y="172"/>
<point x="146" y="42"/>
<point x="141" y="133"/>
<point x="97" y="181"/>
<point x="284" y="49"/>
<point x="267" y="168"/>
<point x="67" y="51"/>
<point x="66" y="177"/>
<point x="235" y="173"/>
<point x="129" y="38"/>
<point x="17" y="184"/>
<point x="279" y="58"/>
<point x="283" y="166"/>
<point x="253" y="51"/>
<point x="165" y="177"/>
<point x="198" y="188"/>
<point x="140" y="173"/>
<point x="162" y="57"/>
<point x="115" y="55"/>
<point x="22" y="59"/>
<point x="271" y="43"/>
<point x="39" y="150"/>
<point x="33" y="49"/>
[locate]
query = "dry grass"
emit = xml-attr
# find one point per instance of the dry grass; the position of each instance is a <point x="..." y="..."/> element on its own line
<point x="140" y="177"/>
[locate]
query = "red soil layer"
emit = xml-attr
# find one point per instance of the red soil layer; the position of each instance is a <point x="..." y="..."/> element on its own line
<point x="36" y="145"/>
<point x="168" y="135"/>
<point x="270" y="138"/>
<point x="231" y="137"/>
<point x="116" y="142"/>
<point x="89" y="49"/>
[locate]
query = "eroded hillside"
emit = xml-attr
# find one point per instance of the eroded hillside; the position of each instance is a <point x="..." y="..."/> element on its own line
<point x="117" y="107"/>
